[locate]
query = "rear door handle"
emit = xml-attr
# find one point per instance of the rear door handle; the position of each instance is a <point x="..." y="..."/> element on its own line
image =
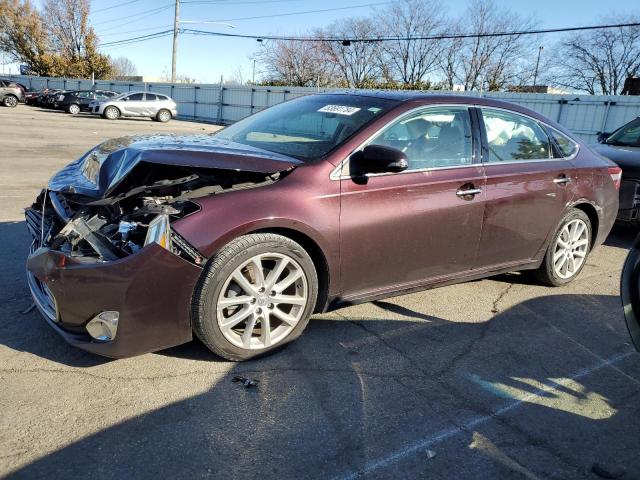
<point x="561" y="180"/>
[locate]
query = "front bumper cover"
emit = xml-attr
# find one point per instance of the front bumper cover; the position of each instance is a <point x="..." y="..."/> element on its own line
<point x="151" y="290"/>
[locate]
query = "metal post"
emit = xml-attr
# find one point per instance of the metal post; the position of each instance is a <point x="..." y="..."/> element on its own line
<point x="220" y="99"/>
<point x="176" y="21"/>
<point x="253" y="76"/>
<point x="535" y="74"/>
<point x="608" y="105"/>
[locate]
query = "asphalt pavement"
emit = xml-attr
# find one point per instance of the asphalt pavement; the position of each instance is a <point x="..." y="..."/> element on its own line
<point x="499" y="378"/>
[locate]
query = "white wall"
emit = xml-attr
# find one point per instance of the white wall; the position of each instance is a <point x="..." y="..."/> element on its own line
<point x="584" y="115"/>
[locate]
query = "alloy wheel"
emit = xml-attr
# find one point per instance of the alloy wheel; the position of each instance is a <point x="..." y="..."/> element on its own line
<point x="164" y="116"/>
<point x="111" y="113"/>
<point x="10" y="101"/>
<point x="262" y="301"/>
<point x="571" y="248"/>
<point x="74" y="109"/>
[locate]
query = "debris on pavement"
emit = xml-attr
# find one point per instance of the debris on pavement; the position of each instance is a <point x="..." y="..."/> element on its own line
<point x="430" y="454"/>
<point x="246" y="382"/>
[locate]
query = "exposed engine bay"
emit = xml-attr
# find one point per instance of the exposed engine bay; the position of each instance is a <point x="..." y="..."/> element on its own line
<point x="139" y="211"/>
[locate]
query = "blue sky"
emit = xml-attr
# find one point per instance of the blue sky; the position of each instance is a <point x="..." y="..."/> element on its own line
<point x="206" y="58"/>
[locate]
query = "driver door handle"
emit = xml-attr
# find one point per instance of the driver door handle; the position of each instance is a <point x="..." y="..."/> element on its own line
<point x="468" y="191"/>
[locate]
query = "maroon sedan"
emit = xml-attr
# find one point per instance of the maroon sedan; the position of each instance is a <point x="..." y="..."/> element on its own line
<point x="313" y="204"/>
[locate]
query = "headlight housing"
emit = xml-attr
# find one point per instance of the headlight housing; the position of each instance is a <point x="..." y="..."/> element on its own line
<point x="159" y="232"/>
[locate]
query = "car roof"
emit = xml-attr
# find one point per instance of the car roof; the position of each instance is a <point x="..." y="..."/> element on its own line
<point x="403" y="97"/>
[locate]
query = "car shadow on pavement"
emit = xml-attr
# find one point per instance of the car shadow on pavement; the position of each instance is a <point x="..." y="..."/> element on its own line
<point x="622" y="236"/>
<point x="545" y="389"/>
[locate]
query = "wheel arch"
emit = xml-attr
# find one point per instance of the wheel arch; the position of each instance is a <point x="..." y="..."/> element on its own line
<point x="317" y="256"/>
<point x="592" y="213"/>
<point x="112" y="106"/>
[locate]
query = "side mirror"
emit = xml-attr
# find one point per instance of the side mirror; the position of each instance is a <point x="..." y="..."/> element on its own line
<point x="602" y="136"/>
<point x="377" y="159"/>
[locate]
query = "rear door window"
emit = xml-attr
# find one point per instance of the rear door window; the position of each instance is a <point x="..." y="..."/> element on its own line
<point x="135" y="97"/>
<point x="512" y="137"/>
<point x="151" y="97"/>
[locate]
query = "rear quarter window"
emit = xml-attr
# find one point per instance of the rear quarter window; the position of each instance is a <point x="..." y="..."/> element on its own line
<point x="566" y="146"/>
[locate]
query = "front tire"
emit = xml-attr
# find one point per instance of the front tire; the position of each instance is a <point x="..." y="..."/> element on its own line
<point x="163" y="116"/>
<point x="10" y="101"/>
<point x="111" y="113"/>
<point x="255" y="295"/>
<point x="568" y="250"/>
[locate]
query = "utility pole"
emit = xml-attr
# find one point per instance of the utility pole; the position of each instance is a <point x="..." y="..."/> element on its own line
<point x="535" y="74"/>
<point x="176" y="23"/>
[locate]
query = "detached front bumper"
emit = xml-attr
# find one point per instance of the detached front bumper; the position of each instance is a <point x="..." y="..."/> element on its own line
<point x="151" y="290"/>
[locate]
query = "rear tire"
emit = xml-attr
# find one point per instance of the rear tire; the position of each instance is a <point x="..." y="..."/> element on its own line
<point x="10" y="101"/>
<point x="568" y="250"/>
<point x="111" y="113"/>
<point x="269" y="304"/>
<point x="163" y="116"/>
<point x="73" y="109"/>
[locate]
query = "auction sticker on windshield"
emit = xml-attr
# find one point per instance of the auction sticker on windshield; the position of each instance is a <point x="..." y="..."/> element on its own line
<point x="339" y="109"/>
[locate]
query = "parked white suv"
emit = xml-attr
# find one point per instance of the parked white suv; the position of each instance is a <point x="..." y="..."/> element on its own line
<point x="156" y="106"/>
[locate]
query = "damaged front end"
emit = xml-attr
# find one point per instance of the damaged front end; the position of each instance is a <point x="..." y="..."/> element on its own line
<point x="106" y="268"/>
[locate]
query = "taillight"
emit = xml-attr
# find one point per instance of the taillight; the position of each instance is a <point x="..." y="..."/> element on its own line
<point x="616" y="176"/>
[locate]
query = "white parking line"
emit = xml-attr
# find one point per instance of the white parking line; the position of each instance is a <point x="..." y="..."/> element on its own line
<point x="467" y="427"/>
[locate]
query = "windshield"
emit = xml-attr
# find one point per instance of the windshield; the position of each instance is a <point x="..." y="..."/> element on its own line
<point x="627" y="136"/>
<point x="308" y="127"/>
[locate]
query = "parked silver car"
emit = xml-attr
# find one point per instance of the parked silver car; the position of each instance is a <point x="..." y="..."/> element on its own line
<point x="156" y="106"/>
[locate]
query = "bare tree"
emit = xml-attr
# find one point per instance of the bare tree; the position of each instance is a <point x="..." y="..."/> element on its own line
<point x="450" y="59"/>
<point x="357" y="62"/>
<point x="598" y="62"/>
<point x="410" y="61"/>
<point x="484" y="61"/>
<point x="294" y="63"/>
<point x="237" y="77"/>
<point x="123" y="67"/>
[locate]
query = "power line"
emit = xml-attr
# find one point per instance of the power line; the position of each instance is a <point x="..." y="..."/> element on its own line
<point x="222" y="2"/>
<point x="115" y="6"/>
<point x="140" y="15"/>
<point x="302" y="13"/>
<point x="370" y="39"/>
<point x="146" y="29"/>
<point x="141" y="38"/>
<point x="348" y="40"/>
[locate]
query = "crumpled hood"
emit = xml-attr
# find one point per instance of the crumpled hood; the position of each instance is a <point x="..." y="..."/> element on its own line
<point x="627" y="158"/>
<point x="99" y="171"/>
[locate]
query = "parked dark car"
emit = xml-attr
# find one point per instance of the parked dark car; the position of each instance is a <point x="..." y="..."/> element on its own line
<point x="48" y="98"/>
<point x="630" y="292"/>
<point x="78" y="101"/>
<point x="316" y="203"/>
<point x="10" y="93"/>
<point x="30" y="97"/>
<point x="623" y="148"/>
